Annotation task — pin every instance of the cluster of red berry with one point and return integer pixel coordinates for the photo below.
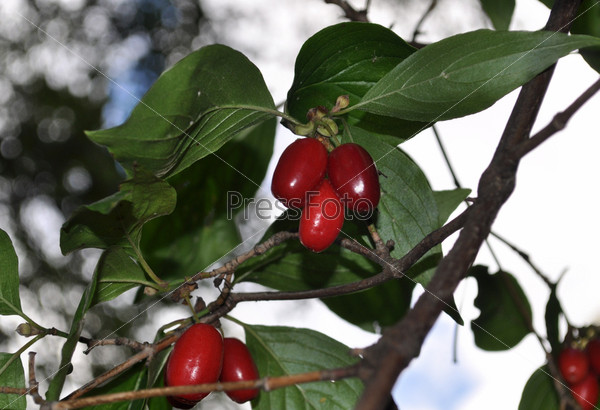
(202, 355)
(300, 181)
(581, 370)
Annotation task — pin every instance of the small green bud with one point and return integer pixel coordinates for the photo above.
(25, 329)
(342, 102)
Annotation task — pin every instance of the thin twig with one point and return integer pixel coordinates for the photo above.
(33, 384)
(559, 121)
(350, 12)
(417, 29)
(266, 384)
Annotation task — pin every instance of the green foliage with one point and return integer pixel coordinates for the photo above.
(10, 301)
(348, 59)
(588, 22)
(130, 380)
(282, 351)
(499, 11)
(539, 392)
(191, 111)
(501, 324)
(118, 219)
(465, 73)
(64, 368)
(13, 376)
(552, 316)
(200, 230)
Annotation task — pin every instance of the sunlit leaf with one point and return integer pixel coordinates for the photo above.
(193, 108)
(348, 59)
(466, 73)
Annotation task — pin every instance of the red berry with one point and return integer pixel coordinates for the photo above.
(593, 352)
(573, 365)
(196, 358)
(322, 218)
(300, 168)
(586, 392)
(238, 365)
(353, 175)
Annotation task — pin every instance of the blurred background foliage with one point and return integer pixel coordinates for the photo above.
(67, 66)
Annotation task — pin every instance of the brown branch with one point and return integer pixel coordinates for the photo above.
(402, 342)
(350, 12)
(33, 384)
(559, 121)
(119, 341)
(417, 29)
(266, 384)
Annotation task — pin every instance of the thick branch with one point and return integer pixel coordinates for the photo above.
(350, 12)
(402, 342)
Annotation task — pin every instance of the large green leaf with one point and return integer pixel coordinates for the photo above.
(201, 229)
(348, 59)
(500, 325)
(113, 219)
(500, 12)
(539, 392)
(283, 351)
(64, 368)
(10, 301)
(466, 73)
(191, 111)
(13, 376)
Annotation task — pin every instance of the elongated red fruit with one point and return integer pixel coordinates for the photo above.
(586, 392)
(238, 365)
(354, 177)
(300, 168)
(197, 357)
(322, 218)
(573, 365)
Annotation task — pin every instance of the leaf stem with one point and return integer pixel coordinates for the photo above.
(20, 351)
(145, 266)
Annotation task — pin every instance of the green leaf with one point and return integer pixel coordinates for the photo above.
(588, 22)
(13, 376)
(283, 351)
(10, 301)
(191, 111)
(348, 59)
(500, 326)
(500, 12)
(58, 379)
(130, 380)
(202, 229)
(407, 211)
(551, 316)
(466, 73)
(291, 267)
(448, 201)
(117, 273)
(111, 220)
(539, 392)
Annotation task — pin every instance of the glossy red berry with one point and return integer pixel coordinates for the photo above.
(593, 352)
(322, 218)
(197, 357)
(586, 392)
(238, 365)
(573, 365)
(301, 167)
(353, 175)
